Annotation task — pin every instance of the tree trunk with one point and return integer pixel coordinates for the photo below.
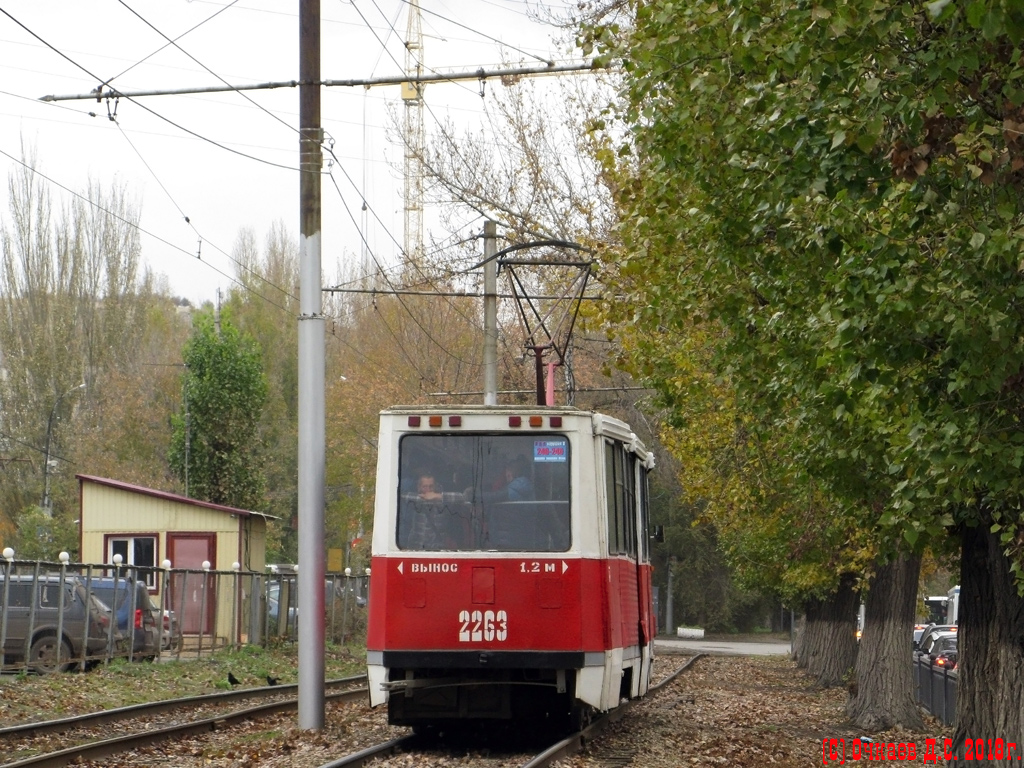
(799, 649)
(990, 687)
(882, 690)
(830, 639)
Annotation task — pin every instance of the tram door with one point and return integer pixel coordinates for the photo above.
(648, 627)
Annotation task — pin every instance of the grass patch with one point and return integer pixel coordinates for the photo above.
(121, 683)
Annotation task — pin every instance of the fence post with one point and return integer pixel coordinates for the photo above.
(86, 633)
(951, 700)
(8, 567)
(202, 607)
(344, 605)
(255, 595)
(62, 604)
(34, 592)
(236, 607)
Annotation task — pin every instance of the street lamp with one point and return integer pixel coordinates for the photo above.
(47, 509)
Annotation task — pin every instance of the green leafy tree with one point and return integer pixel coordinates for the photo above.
(836, 188)
(42, 537)
(265, 306)
(216, 447)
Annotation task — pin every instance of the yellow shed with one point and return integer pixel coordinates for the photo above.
(147, 527)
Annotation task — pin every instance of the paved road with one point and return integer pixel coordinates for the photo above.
(719, 647)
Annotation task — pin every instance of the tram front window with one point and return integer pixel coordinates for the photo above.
(478, 493)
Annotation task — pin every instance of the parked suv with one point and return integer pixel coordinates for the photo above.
(138, 618)
(34, 632)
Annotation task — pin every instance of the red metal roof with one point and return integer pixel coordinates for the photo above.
(170, 496)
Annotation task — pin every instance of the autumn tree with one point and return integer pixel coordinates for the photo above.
(836, 187)
(74, 307)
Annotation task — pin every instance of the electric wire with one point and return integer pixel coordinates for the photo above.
(173, 42)
(169, 41)
(135, 225)
(144, 107)
(404, 304)
(484, 35)
(417, 58)
(207, 69)
(112, 117)
(408, 261)
(188, 221)
(51, 454)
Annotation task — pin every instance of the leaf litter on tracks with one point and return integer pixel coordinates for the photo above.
(742, 712)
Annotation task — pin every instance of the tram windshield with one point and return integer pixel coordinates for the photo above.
(478, 493)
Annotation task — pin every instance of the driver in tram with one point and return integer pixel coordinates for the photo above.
(427, 488)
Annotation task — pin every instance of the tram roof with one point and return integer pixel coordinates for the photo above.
(603, 423)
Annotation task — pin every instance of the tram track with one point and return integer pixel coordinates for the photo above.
(184, 741)
(401, 749)
(37, 737)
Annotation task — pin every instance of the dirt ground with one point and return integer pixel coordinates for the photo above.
(747, 711)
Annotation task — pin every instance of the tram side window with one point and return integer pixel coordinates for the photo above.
(629, 491)
(620, 491)
(613, 500)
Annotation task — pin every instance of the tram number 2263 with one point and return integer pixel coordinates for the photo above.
(476, 626)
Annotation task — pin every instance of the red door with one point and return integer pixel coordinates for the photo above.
(193, 597)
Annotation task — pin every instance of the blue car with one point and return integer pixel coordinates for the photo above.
(140, 619)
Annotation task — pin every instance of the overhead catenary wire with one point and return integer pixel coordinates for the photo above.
(411, 314)
(397, 244)
(99, 95)
(169, 41)
(123, 134)
(475, 75)
(484, 35)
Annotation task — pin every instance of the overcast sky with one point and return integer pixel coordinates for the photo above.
(228, 161)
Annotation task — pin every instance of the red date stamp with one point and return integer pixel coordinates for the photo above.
(841, 751)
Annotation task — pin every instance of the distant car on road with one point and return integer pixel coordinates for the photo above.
(332, 591)
(939, 645)
(930, 630)
(918, 631)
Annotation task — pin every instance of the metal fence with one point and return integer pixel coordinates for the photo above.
(195, 611)
(936, 689)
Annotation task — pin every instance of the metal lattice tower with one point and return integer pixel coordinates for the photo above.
(412, 96)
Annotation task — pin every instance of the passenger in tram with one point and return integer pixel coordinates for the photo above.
(514, 484)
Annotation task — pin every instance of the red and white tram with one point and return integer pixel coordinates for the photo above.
(511, 574)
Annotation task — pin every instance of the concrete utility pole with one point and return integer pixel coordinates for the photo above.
(490, 314)
(312, 440)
